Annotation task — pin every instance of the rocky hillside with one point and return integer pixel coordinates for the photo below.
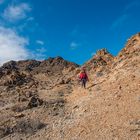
(42, 100)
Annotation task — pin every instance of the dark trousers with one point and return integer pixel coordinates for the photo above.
(84, 82)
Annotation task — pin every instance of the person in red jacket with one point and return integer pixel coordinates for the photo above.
(83, 78)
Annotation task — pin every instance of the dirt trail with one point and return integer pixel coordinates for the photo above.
(43, 101)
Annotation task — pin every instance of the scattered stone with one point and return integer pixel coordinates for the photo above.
(34, 102)
(120, 87)
(98, 108)
(75, 107)
(19, 115)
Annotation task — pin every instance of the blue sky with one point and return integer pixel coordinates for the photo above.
(73, 29)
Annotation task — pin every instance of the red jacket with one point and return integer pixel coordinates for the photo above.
(83, 76)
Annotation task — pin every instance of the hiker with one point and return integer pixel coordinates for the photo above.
(83, 78)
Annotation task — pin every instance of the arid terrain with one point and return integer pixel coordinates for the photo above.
(43, 100)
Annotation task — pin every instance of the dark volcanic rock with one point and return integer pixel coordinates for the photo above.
(8, 67)
(11, 65)
(1, 72)
(34, 102)
(17, 79)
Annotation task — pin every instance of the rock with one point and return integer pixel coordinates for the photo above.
(1, 72)
(120, 87)
(18, 79)
(34, 102)
(48, 91)
(132, 47)
(75, 107)
(32, 64)
(19, 115)
(11, 66)
(102, 58)
(62, 82)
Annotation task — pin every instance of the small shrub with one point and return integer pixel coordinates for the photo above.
(28, 126)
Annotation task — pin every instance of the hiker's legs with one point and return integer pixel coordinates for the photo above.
(84, 83)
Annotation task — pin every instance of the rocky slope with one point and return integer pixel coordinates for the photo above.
(44, 101)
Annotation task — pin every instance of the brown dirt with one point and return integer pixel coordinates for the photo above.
(109, 109)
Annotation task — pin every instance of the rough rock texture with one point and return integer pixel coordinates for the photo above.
(42, 100)
(132, 47)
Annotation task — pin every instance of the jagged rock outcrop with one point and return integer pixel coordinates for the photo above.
(132, 47)
(24, 72)
(42, 100)
(101, 59)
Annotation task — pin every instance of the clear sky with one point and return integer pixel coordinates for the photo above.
(73, 29)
